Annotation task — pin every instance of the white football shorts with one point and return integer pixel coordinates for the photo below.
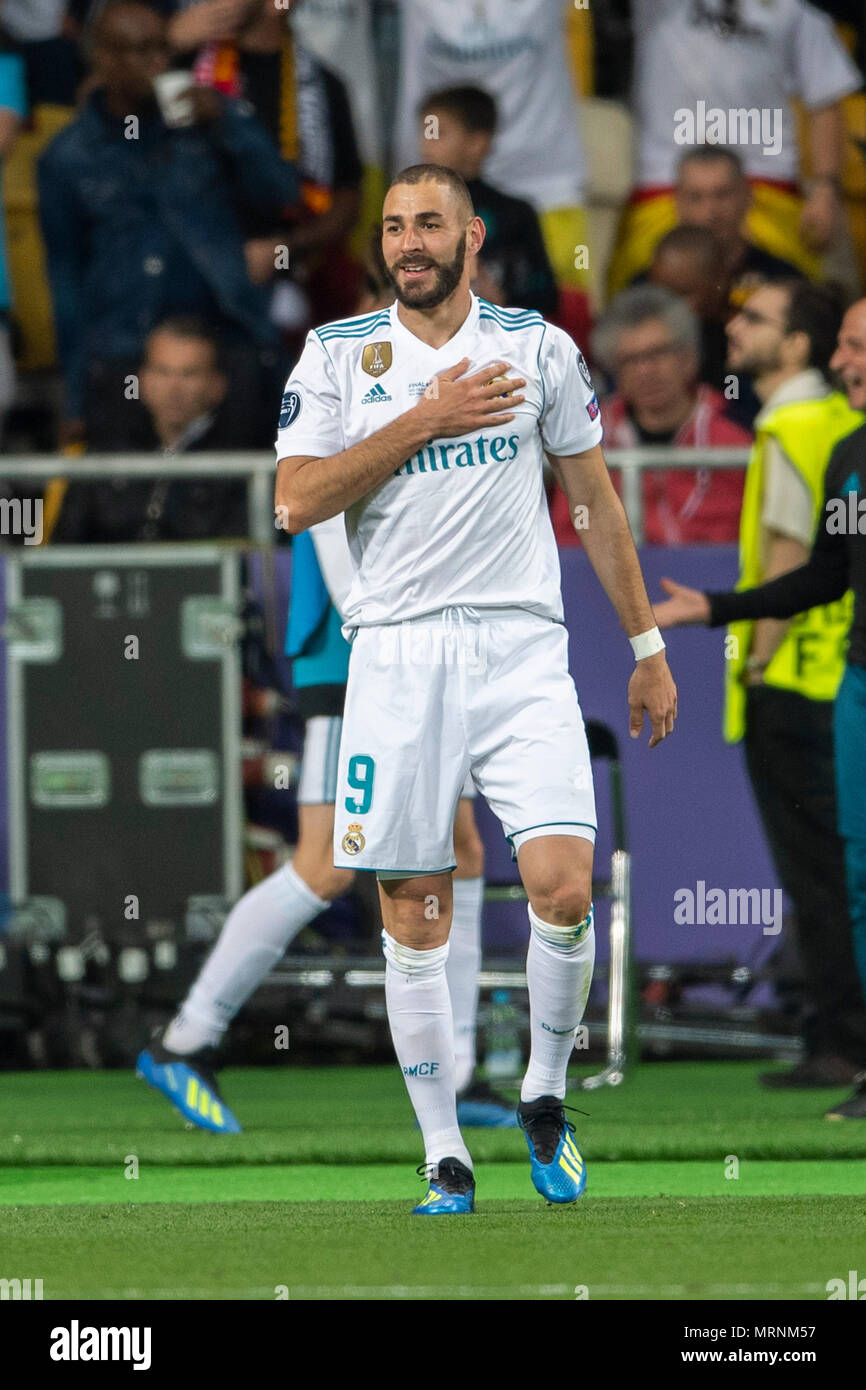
(317, 785)
(463, 692)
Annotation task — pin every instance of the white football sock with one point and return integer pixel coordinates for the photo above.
(254, 937)
(461, 969)
(559, 973)
(419, 1013)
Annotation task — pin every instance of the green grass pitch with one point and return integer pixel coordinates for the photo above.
(313, 1200)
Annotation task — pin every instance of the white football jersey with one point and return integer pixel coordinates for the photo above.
(464, 520)
(684, 56)
(335, 561)
(516, 51)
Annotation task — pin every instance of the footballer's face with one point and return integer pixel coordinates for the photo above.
(757, 333)
(426, 234)
(849, 359)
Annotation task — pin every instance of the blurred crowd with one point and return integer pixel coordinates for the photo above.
(190, 185)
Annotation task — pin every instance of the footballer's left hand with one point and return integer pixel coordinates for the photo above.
(652, 688)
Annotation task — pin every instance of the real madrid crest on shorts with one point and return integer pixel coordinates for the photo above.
(376, 358)
(353, 840)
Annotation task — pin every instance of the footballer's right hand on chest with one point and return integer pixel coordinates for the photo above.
(456, 403)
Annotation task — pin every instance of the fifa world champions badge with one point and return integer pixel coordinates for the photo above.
(376, 358)
(353, 840)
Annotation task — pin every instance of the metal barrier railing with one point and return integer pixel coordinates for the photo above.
(258, 468)
(633, 462)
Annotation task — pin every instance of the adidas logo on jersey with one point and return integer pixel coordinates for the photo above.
(376, 393)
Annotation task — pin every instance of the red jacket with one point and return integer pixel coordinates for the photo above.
(682, 506)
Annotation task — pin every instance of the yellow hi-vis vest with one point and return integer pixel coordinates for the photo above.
(811, 657)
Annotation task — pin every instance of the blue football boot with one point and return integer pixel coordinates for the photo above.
(480, 1107)
(189, 1083)
(558, 1169)
(450, 1191)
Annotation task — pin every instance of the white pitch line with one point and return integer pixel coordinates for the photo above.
(461, 1291)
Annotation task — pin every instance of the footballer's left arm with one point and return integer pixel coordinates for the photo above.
(607, 540)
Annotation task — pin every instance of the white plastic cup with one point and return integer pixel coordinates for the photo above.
(172, 91)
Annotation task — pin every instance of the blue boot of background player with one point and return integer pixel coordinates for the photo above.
(187, 1081)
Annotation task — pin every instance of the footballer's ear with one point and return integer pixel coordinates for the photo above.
(475, 235)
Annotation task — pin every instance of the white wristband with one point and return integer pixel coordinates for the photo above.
(647, 643)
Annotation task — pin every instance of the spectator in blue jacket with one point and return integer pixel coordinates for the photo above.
(142, 219)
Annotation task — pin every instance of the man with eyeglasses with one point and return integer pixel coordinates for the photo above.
(782, 675)
(649, 340)
(142, 219)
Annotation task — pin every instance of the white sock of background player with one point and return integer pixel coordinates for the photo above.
(256, 935)
(559, 973)
(253, 939)
(461, 969)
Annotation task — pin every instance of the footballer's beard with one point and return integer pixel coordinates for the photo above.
(447, 278)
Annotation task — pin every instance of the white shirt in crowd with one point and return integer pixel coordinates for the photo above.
(787, 49)
(30, 21)
(335, 559)
(516, 51)
(339, 33)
